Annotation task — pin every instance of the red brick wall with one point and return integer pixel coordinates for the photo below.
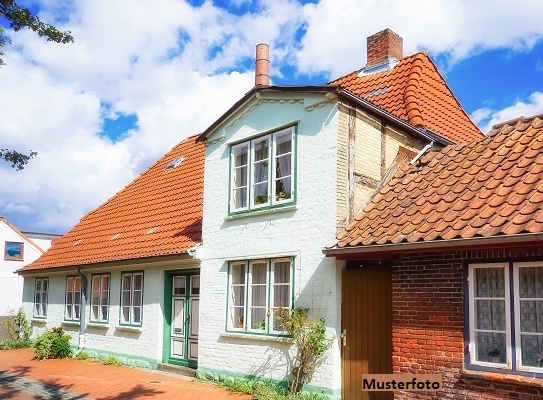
(383, 46)
(428, 324)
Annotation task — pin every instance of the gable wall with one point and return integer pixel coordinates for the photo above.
(300, 232)
(366, 149)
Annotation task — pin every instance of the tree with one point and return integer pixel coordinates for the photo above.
(18, 18)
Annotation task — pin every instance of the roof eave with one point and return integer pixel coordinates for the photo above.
(405, 247)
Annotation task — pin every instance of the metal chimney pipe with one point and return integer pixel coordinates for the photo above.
(262, 70)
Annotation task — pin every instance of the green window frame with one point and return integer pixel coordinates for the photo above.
(257, 289)
(99, 304)
(131, 310)
(262, 172)
(72, 308)
(41, 291)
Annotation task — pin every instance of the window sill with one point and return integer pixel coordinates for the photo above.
(504, 378)
(39, 320)
(70, 323)
(257, 212)
(263, 338)
(98, 325)
(127, 328)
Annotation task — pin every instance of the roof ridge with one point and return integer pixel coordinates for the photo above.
(411, 90)
(514, 121)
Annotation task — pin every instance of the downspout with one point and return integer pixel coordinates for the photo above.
(82, 320)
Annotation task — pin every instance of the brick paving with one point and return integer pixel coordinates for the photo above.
(23, 378)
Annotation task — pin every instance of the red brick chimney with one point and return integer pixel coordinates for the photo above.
(262, 70)
(383, 47)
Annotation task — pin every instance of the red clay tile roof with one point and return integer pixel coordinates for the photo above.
(486, 188)
(159, 213)
(415, 91)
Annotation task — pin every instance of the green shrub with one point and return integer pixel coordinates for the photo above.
(9, 344)
(54, 343)
(239, 386)
(274, 391)
(111, 361)
(17, 326)
(83, 356)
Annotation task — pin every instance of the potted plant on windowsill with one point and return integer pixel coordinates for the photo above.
(240, 321)
(494, 355)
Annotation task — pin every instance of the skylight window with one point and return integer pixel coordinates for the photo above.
(115, 236)
(152, 230)
(175, 163)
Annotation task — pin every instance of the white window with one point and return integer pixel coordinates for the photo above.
(73, 298)
(262, 172)
(40, 297)
(100, 298)
(506, 316)
(131, 298)
(257, 290)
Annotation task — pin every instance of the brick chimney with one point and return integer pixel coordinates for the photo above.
(384, 47)
(262, 70)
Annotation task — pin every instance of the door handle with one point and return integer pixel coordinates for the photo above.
(344, 337)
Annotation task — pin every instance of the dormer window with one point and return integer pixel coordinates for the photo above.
(262, 172)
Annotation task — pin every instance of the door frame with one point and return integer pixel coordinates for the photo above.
(167, 316)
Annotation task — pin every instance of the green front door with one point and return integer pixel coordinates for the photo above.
(181, 317)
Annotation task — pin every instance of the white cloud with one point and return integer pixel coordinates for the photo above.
(488, 118)
(172, 66)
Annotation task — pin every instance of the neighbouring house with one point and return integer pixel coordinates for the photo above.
(238, 216)
(19, 248)
(453, 246)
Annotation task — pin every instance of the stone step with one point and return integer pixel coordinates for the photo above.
(177, 369)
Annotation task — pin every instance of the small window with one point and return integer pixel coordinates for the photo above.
(131, 298)
(73, 298)
(262, 172)
(41, 290)
(14, 251)
(258, 290)
(175, 163)
(100, 298)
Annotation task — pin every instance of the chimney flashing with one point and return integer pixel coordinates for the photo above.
(384, 66)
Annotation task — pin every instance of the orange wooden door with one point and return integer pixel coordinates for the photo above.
(367, 326)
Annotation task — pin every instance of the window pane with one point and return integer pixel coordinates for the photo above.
(236, 317)
(283, 143)
(69, 298)
(259, 271)
(77, 282)
(44, 308)
(38, 285)
(240, 177)
(238, 274)
(261, 147)
(70, 284)
(38, 298)
(126, 314)
(136, 315)
(258, 318)
(195, 285)
(281, 294)
(138, 280)
(69, 311)
(240, 155)
(240, 198)
(76, 311)
(260, 193)
(95, 312)
(531, 282)
(238, 296)
(137, 298)
(45, 285)
(104, 312)
(489, 282)
(126, 299)
(127, 280)
(258, 296)
(532, 350)
(486, 342)
(179, 285)
(281, 272)
(490, 314)
(531, 316)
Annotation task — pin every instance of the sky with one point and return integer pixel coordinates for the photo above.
(142, 76)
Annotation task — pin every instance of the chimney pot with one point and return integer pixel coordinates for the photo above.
(262, 70)
(384, 46)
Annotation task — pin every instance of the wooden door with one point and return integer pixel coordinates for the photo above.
(367, 327)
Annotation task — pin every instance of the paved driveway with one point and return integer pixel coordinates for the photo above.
(23, 378)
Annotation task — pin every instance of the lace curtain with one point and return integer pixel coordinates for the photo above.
(531, 315)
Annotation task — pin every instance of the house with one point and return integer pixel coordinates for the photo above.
(19, 248)
(458, 237)
(238, 217)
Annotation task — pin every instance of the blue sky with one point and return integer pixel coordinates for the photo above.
(141, 78)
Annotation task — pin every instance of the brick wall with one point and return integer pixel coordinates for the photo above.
(383, 46)
(428, 327)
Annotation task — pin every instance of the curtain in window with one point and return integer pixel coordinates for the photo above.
(281, 289)
(531, 315)
(237, 295)
(259, 273)
(490, 325)
(283, 182)
(260, 172)
(105, 297)
(240, 176)
(125, 299)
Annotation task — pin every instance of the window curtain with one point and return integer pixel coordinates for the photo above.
(260, 194)
(284, 166)
(531, 315)
(258, 295)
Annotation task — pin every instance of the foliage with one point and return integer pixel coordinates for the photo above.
(9, 344)
(53, 343)
(111, 361)
(238, 385)
(83, 356)
(17, 160)
(311, 343)
(20, 17)
(17, 326)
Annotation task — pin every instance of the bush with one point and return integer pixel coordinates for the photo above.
(9, 344)
(54, 343)
(83, 356)
(17, 326)
(239, 386)
(111, 361)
